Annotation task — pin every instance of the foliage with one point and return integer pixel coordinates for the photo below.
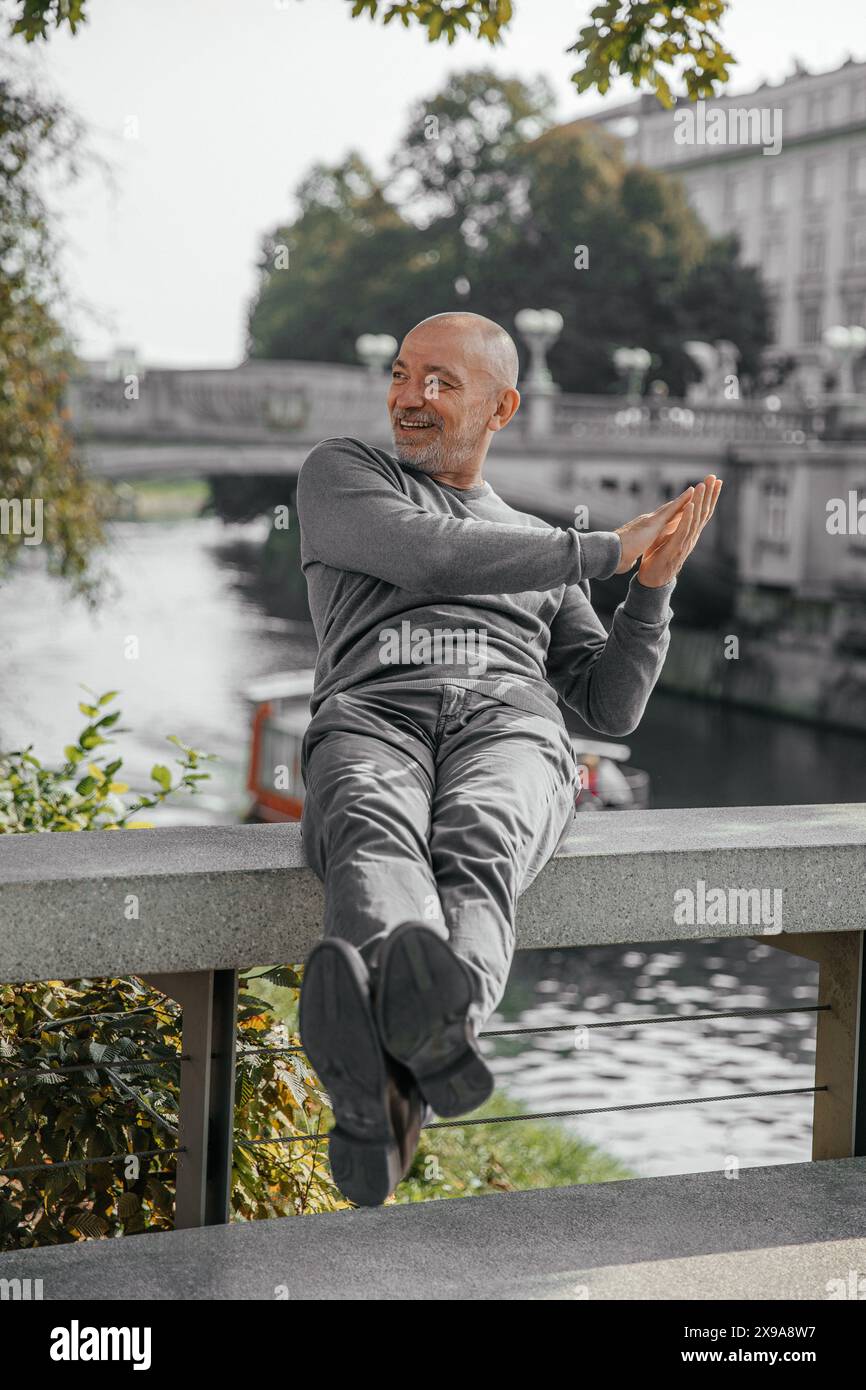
(118, 1107)
(457, 160)
(112, 1104)
(34, 18)
(472, 1160)
(627, 38)
(494, 203)
(39, 469)
(36, 798)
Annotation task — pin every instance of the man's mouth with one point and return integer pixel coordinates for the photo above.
(417, 422)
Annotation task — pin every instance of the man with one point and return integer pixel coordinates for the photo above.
(438, 771)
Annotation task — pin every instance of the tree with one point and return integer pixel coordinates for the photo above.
(469, 229)
(628, 38)
(46, 498)
(349, 263)
(456, 162)
(724, 299)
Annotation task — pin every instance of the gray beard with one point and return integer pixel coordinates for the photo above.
(430, 459)
(439, 457)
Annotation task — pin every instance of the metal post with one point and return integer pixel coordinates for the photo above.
(839, 1124)
(207, 1093)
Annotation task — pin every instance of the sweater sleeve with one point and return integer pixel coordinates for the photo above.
(354, 516)
(608, 677)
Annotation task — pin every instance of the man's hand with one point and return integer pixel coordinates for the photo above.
(665, 558)
(637, 536)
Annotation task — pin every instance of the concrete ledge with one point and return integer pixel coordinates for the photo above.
(782, 1232)
(225, 896)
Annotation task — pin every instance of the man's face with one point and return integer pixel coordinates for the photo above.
(441, 398)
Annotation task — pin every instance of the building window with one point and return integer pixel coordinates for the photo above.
(733, 197)
(700, 199)
(854, 308)
(774, 189)
(772, 256)
(857, 173)
(810, 322)
(857, 243)
(775, 521)
(820, 110)
(813, 251)
(815, 181)
(858, 99)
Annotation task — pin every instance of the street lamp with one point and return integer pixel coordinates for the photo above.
(539, 329)
(633, 364)
(845, 345)
(376, 350)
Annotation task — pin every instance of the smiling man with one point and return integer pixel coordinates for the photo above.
(435, 790)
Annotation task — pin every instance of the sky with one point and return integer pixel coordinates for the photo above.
(210, 111)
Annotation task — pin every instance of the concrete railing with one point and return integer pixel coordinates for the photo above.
(211, 901)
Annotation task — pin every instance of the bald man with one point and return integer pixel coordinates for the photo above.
(439, 774)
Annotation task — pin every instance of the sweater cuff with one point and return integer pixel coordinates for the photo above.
(600, 553)
(649, 605)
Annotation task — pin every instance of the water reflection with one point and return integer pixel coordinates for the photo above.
(667, 1061)
(185, 593)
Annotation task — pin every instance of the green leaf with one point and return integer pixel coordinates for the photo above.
(161, 775)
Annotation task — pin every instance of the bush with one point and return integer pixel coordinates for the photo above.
(122, 1036)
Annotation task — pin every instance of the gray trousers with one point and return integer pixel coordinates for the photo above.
(437, 806)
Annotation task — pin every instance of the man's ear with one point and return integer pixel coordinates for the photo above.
(506, 408)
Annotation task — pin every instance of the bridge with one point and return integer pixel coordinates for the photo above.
(266, 414)
(614, 455)
(217, 899)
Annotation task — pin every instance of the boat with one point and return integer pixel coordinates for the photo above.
(280, 712)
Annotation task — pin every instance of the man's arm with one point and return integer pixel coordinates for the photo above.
(608, 677)
(354, 517)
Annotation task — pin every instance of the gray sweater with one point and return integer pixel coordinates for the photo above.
(410, 580)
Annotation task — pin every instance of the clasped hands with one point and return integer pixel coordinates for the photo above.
(664, 539)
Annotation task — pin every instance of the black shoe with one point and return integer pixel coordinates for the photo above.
(422, 1002)
(378, 1110)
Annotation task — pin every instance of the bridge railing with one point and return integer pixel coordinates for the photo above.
(272, 401)
(262, 402)
(214, 900)
(579, 417)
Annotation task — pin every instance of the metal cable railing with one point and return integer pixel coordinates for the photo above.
(14, 1071)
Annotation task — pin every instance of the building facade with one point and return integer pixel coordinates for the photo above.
(799, 209)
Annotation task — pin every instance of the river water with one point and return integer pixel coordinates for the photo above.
(186, 592)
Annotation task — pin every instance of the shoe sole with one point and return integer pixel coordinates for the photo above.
(340, 1039)
(424, 993)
